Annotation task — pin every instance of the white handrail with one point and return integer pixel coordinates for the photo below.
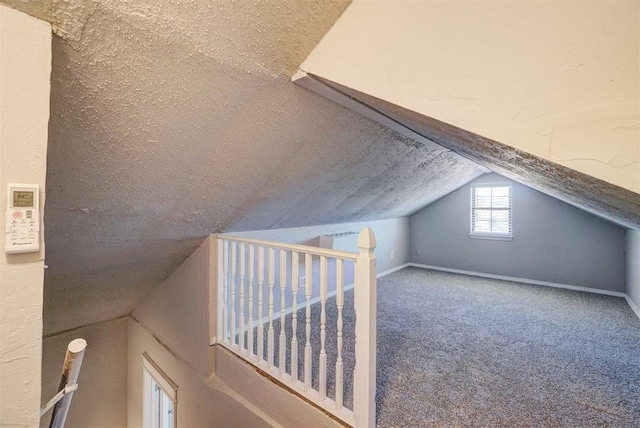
(283, 276)
(316, 251)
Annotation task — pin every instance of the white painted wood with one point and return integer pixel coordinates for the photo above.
(522, 280)
(308, 266)
(251, 285)
(270, 280)
(225, 285)
(315, 251)
(330, 294)
(241, 274)
(340, 304)
(633, 306)
(322, 369)
(364, 388)
(282, 345)
(295, 279)
(327, 404)
(260, 335)
(241, 331)
(390, 271)
(234, 285)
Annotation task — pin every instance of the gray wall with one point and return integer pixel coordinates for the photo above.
(633, 266)
(552, 241)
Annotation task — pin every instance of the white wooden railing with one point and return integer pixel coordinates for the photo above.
(259, 300)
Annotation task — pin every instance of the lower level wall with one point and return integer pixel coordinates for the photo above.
(633, 268)
(199, 403)
(101, 399)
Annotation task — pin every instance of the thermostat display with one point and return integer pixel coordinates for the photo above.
(22, 220)
(23, 199)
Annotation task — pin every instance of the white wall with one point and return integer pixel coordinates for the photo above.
(101, 399)
(556, 79)
(552, 241)
(25, 66)
(633, 268)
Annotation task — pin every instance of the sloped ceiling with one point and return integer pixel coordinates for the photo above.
(603, 199)
(556, 80)
(174, 120)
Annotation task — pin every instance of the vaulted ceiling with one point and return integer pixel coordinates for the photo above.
(174, 120)
(171, 121)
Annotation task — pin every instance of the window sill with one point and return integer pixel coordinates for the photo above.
(491, 237)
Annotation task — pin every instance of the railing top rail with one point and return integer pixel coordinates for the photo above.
(307, 249)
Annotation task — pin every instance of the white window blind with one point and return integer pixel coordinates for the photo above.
(491, 210)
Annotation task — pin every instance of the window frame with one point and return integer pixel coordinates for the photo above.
(152, 373)
(497, 236)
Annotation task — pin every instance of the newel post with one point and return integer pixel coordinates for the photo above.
(364, 390)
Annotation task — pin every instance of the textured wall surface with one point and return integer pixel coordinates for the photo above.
(177, 312)
(174, 120)
(552, 241)
(597, 196)
(25, 64)
(558, 80)
(633, 267)
(101, 399)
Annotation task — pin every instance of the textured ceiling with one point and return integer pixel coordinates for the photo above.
(606, 200)
(174, 120)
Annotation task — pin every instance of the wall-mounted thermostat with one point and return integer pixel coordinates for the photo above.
(22, 225)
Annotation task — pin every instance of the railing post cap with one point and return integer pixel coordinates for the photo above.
(366, 239)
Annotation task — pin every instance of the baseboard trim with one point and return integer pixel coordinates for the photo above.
(633, 306)
(523, 280)
(392, 270)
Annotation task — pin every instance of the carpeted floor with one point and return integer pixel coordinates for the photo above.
(461, 351)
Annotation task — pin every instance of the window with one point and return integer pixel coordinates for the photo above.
(491, 211)
(160, 396)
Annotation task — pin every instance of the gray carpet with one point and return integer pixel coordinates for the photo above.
(456, 350)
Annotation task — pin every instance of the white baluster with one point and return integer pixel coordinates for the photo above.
(339, 304)
(282, 345)
(241, 340)
(307, 347)
(270, 279)
(234, 285)
(295, 279)
(225, 287)
(364, 378)
(250, 321)
(322, 380)
(260, 335)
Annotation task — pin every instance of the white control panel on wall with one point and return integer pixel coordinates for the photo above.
(22, 223)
